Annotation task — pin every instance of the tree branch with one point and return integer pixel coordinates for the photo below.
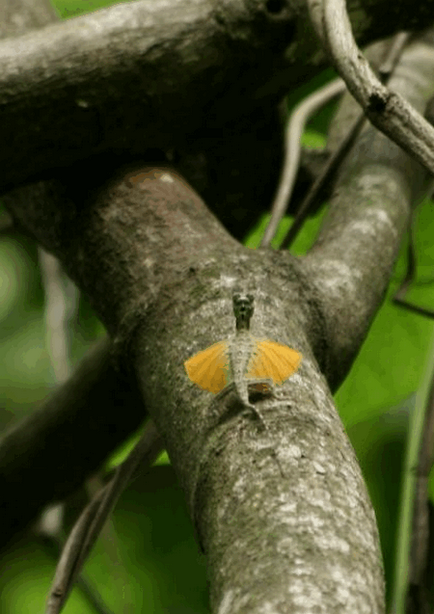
(386, 109)
(136, 76)
(87, 411)
(97, 389)
(160, 271)
(154, 260)
(353, 256)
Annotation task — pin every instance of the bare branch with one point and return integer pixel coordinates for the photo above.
(325, 177)
(137, 77)
(355, 251)
(89, 408)
(294, 131)
(386, 109)
(92, 519)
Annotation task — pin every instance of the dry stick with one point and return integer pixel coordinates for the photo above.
(93, 517)
(388, 65)
(294, 131)
(326, 175)
(387, 110)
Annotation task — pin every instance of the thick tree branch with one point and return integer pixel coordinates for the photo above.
(160, 271)
(96, 386)
(131, 78)
(137, 76)
(155, 261)
(220, 168)
(352, 259)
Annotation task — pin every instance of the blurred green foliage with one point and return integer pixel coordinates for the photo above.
(147, 559)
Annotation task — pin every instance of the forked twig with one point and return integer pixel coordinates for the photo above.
(386, 69)
(93, 517)
(386, 109)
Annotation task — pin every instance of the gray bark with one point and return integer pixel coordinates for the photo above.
(149, 74)
(160, 270)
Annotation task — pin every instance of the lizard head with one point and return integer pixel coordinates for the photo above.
(243, 310)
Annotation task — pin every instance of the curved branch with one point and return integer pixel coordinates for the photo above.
(355, 251)
(294, 131)
(137, 77)
(386, 109)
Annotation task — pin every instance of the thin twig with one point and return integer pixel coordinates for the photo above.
(294, 131)
(61, 301)
(88, 526)
(387, 110)
(319, 184)
(387, 67)
(53, 545)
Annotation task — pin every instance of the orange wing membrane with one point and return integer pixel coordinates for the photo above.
(257, 359)
(272, 360)
(209, 369)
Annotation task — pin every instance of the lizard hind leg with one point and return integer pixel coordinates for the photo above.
(255, 391)
(258, 389)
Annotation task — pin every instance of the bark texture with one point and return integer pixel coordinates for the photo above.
(139, 76)
(160, 270)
